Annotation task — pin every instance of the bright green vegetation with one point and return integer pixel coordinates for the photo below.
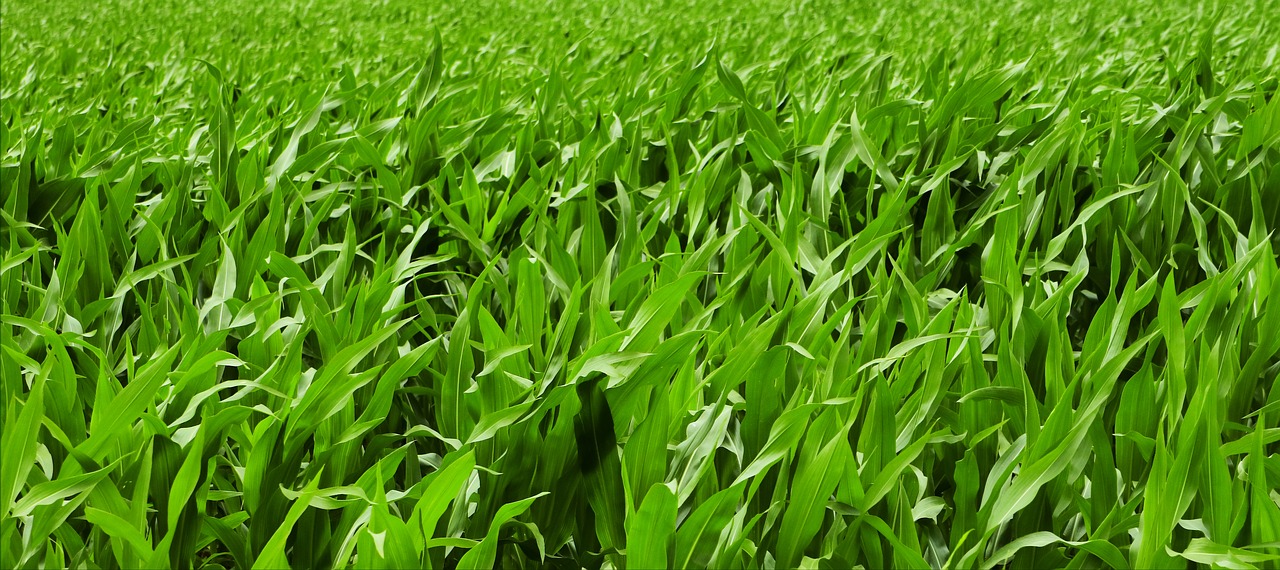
(672, 284)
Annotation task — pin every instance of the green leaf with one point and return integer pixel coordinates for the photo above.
(650, 531)
(483, 555)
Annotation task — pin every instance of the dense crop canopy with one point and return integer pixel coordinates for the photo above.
(661, 284)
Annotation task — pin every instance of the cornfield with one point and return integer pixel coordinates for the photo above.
(940, 284)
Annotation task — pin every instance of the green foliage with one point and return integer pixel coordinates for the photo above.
(674, 284)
